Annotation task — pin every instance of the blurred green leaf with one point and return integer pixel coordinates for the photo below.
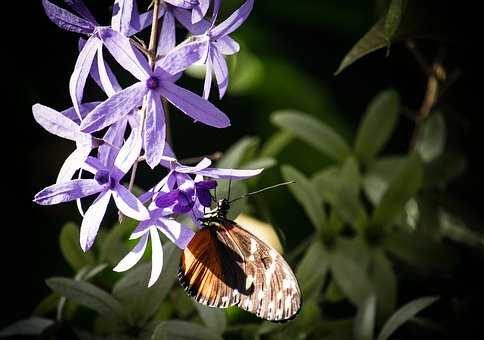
(71, 249)
(214, 318)
(384, 281)
(403, 186)
(32, 326)
(305, 194)
(47, 305)
(276, 143)
(246, 73)
(404, 314)
(182, 330)
(341, 189)
(89, 296)
(132, 289)
(112, 248)
(456, 229)
(377, 125)
(313, 132)
(379, 173)
(431, 139)
(351, 278)
(94, 271)
(311, 270)
(334, 293)
(421, 251)
(393, 19)
(365, 319)
(238, 153)
(184, 303)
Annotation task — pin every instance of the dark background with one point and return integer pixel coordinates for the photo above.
(299, 43)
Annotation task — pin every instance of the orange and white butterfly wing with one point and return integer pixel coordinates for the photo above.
(275, 293)
(211, 271)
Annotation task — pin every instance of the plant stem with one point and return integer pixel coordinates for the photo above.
(152, 60)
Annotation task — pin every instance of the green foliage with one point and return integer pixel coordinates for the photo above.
(174, 330)
(69, 245)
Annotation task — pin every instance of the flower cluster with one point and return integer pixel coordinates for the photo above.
(129, 126)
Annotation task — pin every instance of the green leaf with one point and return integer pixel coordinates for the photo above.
(312, 269)
(431, 139)
(214, 318)
(93, 272)
(276, 143)
(47, 305)
(378, 175)
(365, 319)
(313, 132)
(112, 248)
(404, 314)
(393, 19)
(32, 326)
(351, 278)
(372, 41)
(89, 296)
(341, 189)
(305, 194)
(247, 73)
(71, 249)
(239, 153)
(182, 330)
(403, 186)
(377, 125)
(133, 292)
(384, 281)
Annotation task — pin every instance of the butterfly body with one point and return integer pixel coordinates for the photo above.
(225, 265)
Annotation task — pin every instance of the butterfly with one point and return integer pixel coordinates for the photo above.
(225, 265)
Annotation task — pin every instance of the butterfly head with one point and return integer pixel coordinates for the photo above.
(223, 207)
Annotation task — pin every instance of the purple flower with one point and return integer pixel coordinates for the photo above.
(153, 84)
(218, 41)
(61, 125)
(176, 232)
(179, 193)
(106, 183)
(87, 24)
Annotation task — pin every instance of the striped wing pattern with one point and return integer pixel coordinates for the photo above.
(225, 265)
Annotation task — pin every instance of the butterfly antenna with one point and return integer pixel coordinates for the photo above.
(230, 185)
(261, 190)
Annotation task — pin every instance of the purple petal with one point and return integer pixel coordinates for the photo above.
(66, 20)
(226, 45)
(114, 138)
(122, 14)
(124, 53)
(141, 21)
(93, 165)
(55, 122)
(114, 108)
(194, 106)
(229, 173)
(129, 204)
(155, 130)
(207, 86)
(176, 232)
(220, 70)
(203, 164)
(73, 163)
(92, 220)
(83, 108)
(185, 18)
(80, 7)
(166, 200)
(188, 4)
(167, 40)
(206, 185)
(104, 76)
(130, 151)
(234, 21)
(199, 11)
(156, 256)
(82, 69)
(183, 57)
(67, 191)
(133, 257)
